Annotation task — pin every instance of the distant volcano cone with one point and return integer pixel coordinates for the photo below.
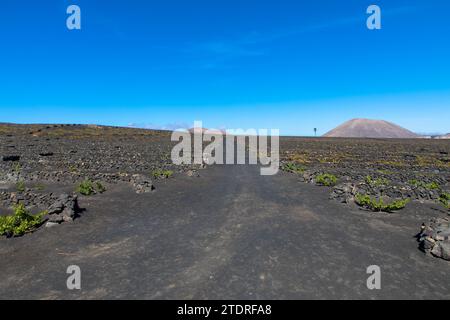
(366, 128)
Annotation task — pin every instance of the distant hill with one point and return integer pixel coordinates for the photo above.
(366, 128)
(206, 130)
(445, 136)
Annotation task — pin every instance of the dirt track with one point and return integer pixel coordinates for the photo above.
(230, 233)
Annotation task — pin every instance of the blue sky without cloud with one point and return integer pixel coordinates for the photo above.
(292, 65)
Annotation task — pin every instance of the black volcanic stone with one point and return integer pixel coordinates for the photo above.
(11, 158)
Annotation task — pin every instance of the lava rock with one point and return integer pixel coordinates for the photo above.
(428, 243)
(434, 238)
(11, 158)
(50, 224)
(342, 192)
(192, 173)
(65, 208)
(441, 250)
(141, 183)
(55, 218)
(46, 154)
(445, 250)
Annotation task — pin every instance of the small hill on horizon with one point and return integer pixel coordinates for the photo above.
(444, 136)
(367, 128)
(206, 130)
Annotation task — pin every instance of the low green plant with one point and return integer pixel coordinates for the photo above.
(444, 198)
(432, 186)
(20, 222)
(378, 182)
(88, 188)
(73, 169)
(100, 187)
(20, 186)
(326, 179)
(293, 167)
(162, 174)
(378, 205)
(429, 186)
(17, 167)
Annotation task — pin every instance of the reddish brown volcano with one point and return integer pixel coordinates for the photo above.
(366, 128)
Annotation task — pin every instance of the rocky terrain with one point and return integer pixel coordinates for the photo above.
(41, 163)
(434, 237)
(374, 174)
(110, 200)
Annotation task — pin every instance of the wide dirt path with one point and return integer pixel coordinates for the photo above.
(229, 234)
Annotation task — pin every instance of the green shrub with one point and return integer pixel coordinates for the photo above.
(162, 174)
(100, 187)
(377, 182)
(429, 186)
(293, 167)
(20, 186)
(379, 205)
(73, 169)
(88, 188)
(326, 179)
(17, 167)
(432, 186)
(444, 198)
(20, 222)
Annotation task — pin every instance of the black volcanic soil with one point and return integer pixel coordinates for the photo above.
(227, 233)
(407, 168)
(397, 159)
(55, 158)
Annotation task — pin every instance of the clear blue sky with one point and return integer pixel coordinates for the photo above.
(292, 65)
